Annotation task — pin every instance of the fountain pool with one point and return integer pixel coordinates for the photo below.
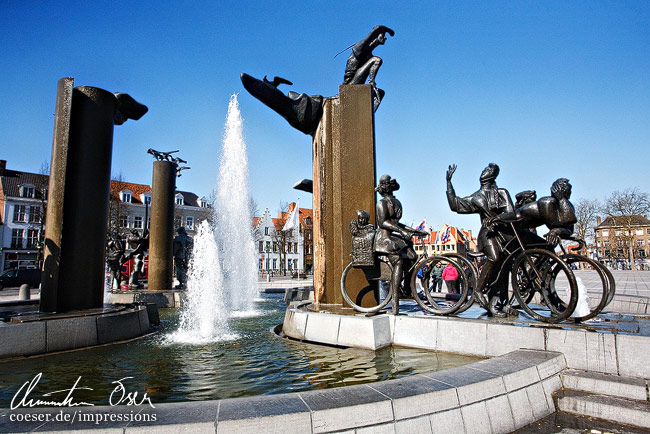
(256, 363)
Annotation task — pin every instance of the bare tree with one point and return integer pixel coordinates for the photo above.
(116, 209)
(41, 188)
(281, 238)
(626, 208)
(586, 212)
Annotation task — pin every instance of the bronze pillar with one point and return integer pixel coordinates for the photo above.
(344, 181)
(77, 209)
(161, 236)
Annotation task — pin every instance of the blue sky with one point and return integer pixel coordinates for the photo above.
(546, 89)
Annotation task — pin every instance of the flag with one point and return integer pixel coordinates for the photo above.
(292, 220)
(446, 237)
(421, 226)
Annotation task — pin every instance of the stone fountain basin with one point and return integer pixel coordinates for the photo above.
(32, 333)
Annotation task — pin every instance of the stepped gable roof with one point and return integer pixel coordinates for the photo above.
(256, 221)
(611, 222)
(304, 213)
(12, 180)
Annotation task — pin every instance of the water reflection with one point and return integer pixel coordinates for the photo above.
(258, 363)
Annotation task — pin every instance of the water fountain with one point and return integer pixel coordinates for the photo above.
(223, 279)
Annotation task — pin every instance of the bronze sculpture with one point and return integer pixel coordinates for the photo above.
(115, 258)
(554, 211)
(362, 65)
(183, 244)
(393, 238)
(303, 112)
(489, 202)
(140, 243)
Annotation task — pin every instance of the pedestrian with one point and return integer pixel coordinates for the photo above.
(436, 275)
(449, 275)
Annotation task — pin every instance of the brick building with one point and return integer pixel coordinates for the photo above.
(612, 240)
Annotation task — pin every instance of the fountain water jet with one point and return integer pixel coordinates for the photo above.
(222, 279)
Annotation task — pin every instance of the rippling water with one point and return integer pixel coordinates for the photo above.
(257, 363)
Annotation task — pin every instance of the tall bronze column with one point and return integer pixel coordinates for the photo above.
(344, 181)
(85, 203)
(161, 236)
(79, 186)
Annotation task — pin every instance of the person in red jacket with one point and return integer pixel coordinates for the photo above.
(450, 275)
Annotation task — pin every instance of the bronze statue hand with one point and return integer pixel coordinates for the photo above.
(450, 172)
(552, 238)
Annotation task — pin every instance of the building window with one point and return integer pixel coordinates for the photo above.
(275, 264)
(608, 253)
(125, 196)
(179, 199)
(620, 252)
(19, 213)
(261, 264)
(266, 230)
(295, 264)
(640, 243)
(17, 238)
(124, 222)
(648, 231)
(641, 253)
(288, 247)
(308, 221)
(275, 248)
(268, 246)
(639, 231)
(618, 233)
(605, 233)
(189, 223)
(32, 238)
(137, 222)
(268, 261)
(261, 246)
(605, 243)
(295, 247)
(27, 191)
(34, 214)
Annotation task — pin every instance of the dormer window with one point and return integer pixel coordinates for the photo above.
(145, 198)
(308, 221)
(27, 191)
(125, 196)
(203, 202)
(179, 199)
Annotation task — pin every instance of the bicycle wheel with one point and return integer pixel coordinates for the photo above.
(371, 295)
(549, 280)
(452, 296)
(472, 279)
(612, 282)
(593, 286)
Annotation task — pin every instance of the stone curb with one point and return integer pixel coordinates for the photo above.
(52, 335)
(491, 396)
(620, 354)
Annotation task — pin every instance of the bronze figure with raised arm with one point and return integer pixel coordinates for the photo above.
(489, 201)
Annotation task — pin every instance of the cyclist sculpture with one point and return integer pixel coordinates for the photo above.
(489, 202)
(393, 238)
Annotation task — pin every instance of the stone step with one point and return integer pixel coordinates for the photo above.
(624, 411)
(605, 384)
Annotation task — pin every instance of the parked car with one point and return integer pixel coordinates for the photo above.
(16, 277)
